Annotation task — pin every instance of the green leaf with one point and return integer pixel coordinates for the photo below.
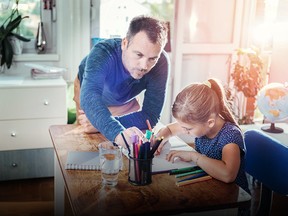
(2, 34)
(6, 49)
(8, 52)
(20, 37)
(13, 24)
(2, 57)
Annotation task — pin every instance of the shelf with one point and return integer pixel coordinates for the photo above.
(36, 57)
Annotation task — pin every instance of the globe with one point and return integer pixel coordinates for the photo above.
(272, 101)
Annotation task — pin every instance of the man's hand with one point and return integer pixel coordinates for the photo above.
(85, 123)
(128, 133)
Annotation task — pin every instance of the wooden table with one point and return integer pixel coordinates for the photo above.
(88, 196)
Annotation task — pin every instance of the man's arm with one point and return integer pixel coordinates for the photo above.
(97, 68)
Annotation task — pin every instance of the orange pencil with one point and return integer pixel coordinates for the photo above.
(149, 125)
(204, 178)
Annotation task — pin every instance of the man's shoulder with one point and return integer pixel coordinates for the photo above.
(106, 48)
(165, 56)
(111, 42)
(163, 61)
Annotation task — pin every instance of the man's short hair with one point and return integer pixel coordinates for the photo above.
(155, 29)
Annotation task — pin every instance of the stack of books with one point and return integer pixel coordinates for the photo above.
(45, 72)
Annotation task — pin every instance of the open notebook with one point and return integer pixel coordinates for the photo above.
(160, 164)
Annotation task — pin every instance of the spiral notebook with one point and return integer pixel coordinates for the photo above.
(81, 160)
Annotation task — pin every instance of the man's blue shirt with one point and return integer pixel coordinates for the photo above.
(105, 82)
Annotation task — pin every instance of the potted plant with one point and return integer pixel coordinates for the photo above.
(7, 30)
(247, 71)
(247, 78)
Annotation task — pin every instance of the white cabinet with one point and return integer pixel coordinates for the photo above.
(27, 109)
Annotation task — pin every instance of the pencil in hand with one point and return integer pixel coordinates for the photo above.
(126, 143)
(155, 146)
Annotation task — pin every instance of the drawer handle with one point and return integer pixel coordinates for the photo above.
(14, 164)
(13, 134)
(46, 102)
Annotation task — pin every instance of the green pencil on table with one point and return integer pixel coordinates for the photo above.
(189, 173)
(184, 170)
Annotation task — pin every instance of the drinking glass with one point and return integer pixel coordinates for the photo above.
(110, 162)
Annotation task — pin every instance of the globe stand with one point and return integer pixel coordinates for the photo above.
(272, 129)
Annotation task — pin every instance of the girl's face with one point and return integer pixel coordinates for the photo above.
(194, 128)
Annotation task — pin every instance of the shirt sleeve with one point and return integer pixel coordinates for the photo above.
(97, 65)
(233, 134)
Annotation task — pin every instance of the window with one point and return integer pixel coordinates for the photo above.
(115, 15)
(38, 11)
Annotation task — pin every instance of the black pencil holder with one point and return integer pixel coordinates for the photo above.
(140, 171)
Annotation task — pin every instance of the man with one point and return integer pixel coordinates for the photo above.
(115, 72)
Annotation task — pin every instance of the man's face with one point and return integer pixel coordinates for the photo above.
(140, 55)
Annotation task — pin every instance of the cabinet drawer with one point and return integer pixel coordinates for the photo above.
(24, 164)
(27, 134)
(23, 103)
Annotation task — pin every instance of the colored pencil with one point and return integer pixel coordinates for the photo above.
(189, 173)
(198, 175)
(184, 170)
(192, 181)
(149, 125)
(155, 146)
(126, 143)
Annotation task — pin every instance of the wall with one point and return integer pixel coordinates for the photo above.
(279, 63)
(73, 34)
(202, 44)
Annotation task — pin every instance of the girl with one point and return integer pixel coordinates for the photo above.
(202, 110)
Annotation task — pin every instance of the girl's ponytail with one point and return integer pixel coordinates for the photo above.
(225, 111)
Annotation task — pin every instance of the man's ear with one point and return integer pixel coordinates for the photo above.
(211, 122)
(124, 43)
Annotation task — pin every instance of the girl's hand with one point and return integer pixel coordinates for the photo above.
(164, 132)
(183, 155)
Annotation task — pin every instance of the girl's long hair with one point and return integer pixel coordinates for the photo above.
(197, 101)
